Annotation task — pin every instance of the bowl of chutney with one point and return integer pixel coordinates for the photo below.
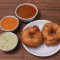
(26, 12)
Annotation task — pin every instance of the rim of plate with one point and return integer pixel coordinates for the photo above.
(26, 48)
(38, 54)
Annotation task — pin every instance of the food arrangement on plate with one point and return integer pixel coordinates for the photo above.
(36, 36)
(32, 37)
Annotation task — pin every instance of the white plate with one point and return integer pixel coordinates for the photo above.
(42, 50)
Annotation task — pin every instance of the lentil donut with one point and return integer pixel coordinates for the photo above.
(31, 36)
(51, 33)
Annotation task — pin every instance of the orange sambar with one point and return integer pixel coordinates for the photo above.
(9, 23)
(26, 11)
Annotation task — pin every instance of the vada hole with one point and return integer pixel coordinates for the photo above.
(46, 25)
(45, 38)
(31, 35)
(53, 33)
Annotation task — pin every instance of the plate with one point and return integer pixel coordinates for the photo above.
(42, 50)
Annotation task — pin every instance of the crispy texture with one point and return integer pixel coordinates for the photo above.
(34, 40)
(49, 37)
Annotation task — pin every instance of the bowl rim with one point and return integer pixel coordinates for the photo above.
(11, 29)
(14, 46)
(26, 4)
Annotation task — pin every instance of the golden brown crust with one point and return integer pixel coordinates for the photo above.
(49, 38)
(31, 41)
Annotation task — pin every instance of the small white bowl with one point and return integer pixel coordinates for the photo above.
(7, 50)
(12, 29)
(28, 19)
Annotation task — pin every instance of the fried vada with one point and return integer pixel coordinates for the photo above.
(31, 36)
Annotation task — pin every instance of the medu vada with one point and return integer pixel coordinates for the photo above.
(51, 33)
(31, 36)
